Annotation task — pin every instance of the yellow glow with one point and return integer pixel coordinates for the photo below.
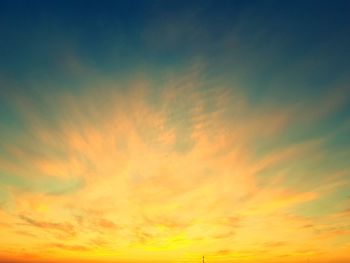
(130, 181)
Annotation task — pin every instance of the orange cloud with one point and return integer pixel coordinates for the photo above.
(62, 227)
(175, 172)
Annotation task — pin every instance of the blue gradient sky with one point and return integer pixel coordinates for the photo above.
(123, 123)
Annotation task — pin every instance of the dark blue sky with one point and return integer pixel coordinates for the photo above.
(113, 35)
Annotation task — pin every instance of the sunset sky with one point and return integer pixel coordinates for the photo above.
(164, 131)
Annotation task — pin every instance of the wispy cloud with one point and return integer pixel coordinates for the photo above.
(186, 167)
(66, 228)
(69, 247)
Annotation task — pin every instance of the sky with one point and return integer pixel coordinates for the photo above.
(164, 131)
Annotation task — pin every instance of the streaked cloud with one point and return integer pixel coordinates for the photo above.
(118, 167)
(66, 228)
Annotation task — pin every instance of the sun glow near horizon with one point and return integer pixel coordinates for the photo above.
(118, 177)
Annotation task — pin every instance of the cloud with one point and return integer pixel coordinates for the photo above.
(272, 200)
(65, 187)
(223, 252)
(25, 233)
(187, 166)
(107, 224)
(224, 235)
(331, 232)
(170, 222)
(274, 244)
(65, 228)
(142, 236)
(68, 247)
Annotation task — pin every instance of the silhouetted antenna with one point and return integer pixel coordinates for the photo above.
(203, 260)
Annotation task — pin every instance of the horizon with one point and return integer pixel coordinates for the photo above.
(165, 131)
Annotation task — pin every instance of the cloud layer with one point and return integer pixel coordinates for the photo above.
(176, 170)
